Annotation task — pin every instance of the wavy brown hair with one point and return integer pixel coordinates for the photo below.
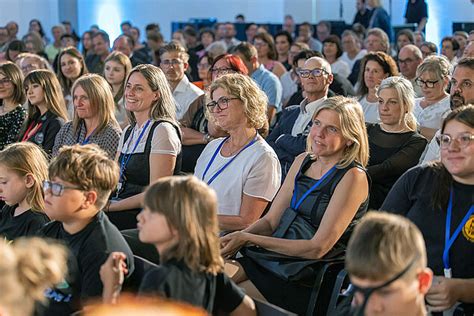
(387, 63)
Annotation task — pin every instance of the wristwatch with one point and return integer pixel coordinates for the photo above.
(207, 138)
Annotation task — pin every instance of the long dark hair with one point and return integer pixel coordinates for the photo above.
(464, 115)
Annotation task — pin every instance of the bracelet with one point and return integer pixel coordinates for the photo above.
(107, 206)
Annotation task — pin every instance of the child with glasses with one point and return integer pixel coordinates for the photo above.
(439, 198)
(81, 179)
(23, 167)
(386, 262)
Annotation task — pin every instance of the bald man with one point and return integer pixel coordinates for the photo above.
(409, 58)
(288, 137)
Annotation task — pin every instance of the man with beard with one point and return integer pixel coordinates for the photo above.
(462, 93)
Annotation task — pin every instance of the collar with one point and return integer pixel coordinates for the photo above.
(311, 106)
(182, 86)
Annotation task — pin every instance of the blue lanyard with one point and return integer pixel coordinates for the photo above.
(126, 157)
(228, 163)
(449, 240)
(295, 204)
(85, 141)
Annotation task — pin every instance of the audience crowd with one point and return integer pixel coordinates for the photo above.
(221, 173)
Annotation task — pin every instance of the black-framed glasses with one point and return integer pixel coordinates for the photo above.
(222, 71)
(316, 72)
(428, 83)
(463, 140)
(57, 189)
(5, 81)
(222, 104)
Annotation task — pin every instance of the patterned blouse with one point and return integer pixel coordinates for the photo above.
(10, 126)
(107, 139)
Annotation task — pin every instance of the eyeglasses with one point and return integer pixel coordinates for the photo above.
(57, 189)
(173, 62)
(5, 81)
(305, 73)
(222, 104)
(463, 140)
(222, 71)
(428, 83)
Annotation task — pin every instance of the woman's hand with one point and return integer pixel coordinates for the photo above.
(231, 243)
(112, 275)
(442, 294)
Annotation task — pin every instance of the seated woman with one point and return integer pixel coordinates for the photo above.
(12, 96)
(310, 221)
(375, 67)
(203, 65)
(94, 120)
(150, 148)
(267, 54)
(433, 76)
(438, 198)
(29, 62)
(283, 42)
(116, 69)
(46, 109)
(332, 51)
(179, 219)
(242, 168)
(196, 128)
(71, 66)
(395, 145)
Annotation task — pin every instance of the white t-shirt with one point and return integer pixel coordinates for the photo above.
(289, 86)
(255, 172)
(165, 140)
(371, 110)
(341, 68)
(351, 62)
(432, 116)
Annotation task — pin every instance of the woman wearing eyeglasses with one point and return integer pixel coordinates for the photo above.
(376, 66)
(12, 96)
(439, 198)
(196, 128)
(433, 77)
(242, 168)
(395, 145)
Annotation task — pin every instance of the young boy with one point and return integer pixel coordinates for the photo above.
(386, 262)
(81, 179)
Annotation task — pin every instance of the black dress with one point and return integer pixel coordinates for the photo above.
(287, 281)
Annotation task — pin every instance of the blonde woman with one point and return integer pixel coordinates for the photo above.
(46, 109)
(116, 69)
(395, 145)
(242, 168)
(324, 194)
(94, 119)
(150, 148)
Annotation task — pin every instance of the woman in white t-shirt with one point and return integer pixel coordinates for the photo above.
(150, 148)
(432, 76)
(375, 67)
(242, 168)
(332, 51)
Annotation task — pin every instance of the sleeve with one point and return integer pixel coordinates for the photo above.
(272, 88)
(264, 178)
(398, 200)
(53, 129)
(59, 140)
(294, 145)
(109, 141)
(228, 295)
(90, 263)
(405, 158)
(165, 140)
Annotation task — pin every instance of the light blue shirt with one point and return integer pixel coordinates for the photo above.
(270, 84)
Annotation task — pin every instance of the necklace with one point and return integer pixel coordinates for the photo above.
(402, 130)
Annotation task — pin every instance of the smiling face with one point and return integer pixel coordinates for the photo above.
(330, 50)
(70, 67)
(114, 72)
(154, 229)
(233, 115)
(326, 136)
(373, 74)
(458, 161)
(6, 87)
(314, 84)
(139, 97)
(389, 107)
(13, 189)
(35, 94)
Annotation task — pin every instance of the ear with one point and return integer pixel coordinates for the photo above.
(330, 78)
(425, 277)
(349, 143)
(29, 180)
(91, 198)
(157, 95)
(185, 66)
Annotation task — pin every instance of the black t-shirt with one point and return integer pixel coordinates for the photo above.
(391, 154)
(174, 280)
(26, 224)
(416, 11)
(412, 197)
(89, 249)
